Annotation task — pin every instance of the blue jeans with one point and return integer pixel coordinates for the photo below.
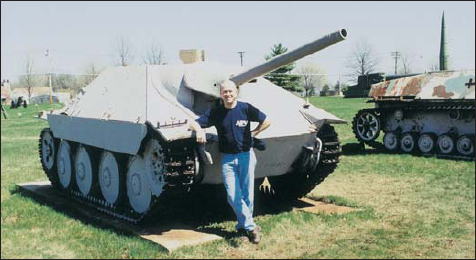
(238, 172)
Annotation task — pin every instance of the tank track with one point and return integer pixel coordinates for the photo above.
(179, 177)
(306, 176)
(468, 106)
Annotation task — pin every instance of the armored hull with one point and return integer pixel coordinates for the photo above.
(124, 144)
(429, 114)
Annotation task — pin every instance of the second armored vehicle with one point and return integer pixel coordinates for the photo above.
(430, 113)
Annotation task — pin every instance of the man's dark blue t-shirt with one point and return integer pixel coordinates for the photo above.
(233, 125)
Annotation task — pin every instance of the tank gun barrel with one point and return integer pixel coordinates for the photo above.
(289, 57)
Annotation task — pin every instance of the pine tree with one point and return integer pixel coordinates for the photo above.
(281, 76)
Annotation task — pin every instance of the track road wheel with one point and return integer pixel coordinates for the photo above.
(65, 165)
(137, 183)
(111, 177)
(390, 141)
(366, 126)
(305, 174)
(407, 142)
(465, 145)
(47, 147)
(427, 143)
(85, 170)
(446, 144)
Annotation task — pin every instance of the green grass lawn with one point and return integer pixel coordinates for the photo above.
(411, 207)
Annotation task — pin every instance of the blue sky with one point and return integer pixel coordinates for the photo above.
(81, 33)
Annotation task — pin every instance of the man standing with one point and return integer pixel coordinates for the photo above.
(232, 121)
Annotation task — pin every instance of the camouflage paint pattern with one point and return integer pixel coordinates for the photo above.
(433, 85)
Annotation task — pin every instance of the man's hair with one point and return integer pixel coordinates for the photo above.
(227, 83)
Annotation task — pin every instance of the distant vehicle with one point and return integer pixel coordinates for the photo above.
(365, 82)
(39, 99)
(20, 101)
(429, 113)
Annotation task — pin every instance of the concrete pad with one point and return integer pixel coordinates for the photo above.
(169, 235)
(319, 207)
(176, 238)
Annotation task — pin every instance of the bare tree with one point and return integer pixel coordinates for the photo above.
(154, 55)
(406, 63)
(312, 78)
(434, 65)
(362, 60)
(66, 82)
(124, 51)
(92, 71)
(29, 80)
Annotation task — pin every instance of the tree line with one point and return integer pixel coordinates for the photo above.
(309, 78)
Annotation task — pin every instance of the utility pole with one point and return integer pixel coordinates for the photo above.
(47, 55)
(340, 89)
(241, 57)
(396, 55)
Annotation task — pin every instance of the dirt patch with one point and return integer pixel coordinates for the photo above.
(175, 238)
(372, 190)
(318, 207)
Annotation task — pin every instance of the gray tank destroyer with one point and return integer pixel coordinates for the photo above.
(124, 144)
(429, 114)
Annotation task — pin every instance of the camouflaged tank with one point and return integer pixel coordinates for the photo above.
(124, 144)
(430, 113)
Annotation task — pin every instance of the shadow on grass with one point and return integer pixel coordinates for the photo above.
(199, 210)
(50, 197)
(361, 149)
(351, 149)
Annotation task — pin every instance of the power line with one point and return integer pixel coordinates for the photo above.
(396, 55)
(241, 57)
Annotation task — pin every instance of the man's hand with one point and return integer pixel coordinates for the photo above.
(199, 132)
(261, 127)
(312, 128)
(201, 136)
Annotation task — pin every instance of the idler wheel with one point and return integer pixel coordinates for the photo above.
(407, 142)
(445, 144)
(390, 141)
(137, 183)
(465, 145)
(427, 143)
(65, 164)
